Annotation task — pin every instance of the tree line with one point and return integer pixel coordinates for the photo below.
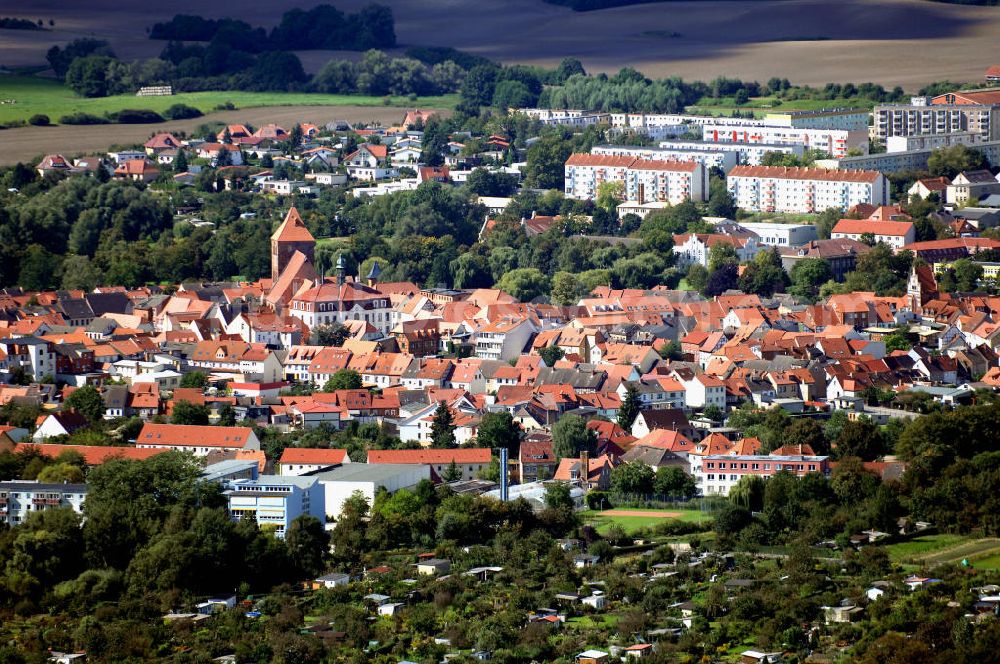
(322, 27)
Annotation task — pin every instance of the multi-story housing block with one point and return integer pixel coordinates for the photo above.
(809, 190)
(645, 180)
(19, 498)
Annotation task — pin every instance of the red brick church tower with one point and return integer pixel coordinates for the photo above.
(291, 236)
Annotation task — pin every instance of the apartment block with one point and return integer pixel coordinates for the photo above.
(835, 142)
(645, 180)
(945, 114)
(747, 154)
(718, 473)
(808, 190)
(709, 155)
(850, 119)
(19, 498)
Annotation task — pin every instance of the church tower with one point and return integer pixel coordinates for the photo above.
(291, 236)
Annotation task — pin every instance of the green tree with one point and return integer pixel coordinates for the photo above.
(86, 401)
(307, 543)
(58, 473)
(629, 410)
(443, 427)
(196, 379)
(634, 477)
(349, 535)
(329, 335)
(967, 274)
(524, 284)
(566, 288)
(860, 438)
(610, 194)
(570, 436)
(343, 379)
(551, 354)
(748, 493)
(499, 430)
(950, 161)
(451, 473)
(547, 163)
(185, 412)
(806, 432)
(557, 496)
(673, 481)
(807, 276)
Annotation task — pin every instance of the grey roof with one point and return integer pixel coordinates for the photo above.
(53, 487)
(363, 472)
(104, 303)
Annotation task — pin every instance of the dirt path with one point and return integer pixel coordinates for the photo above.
(654, 514)
(27, 143)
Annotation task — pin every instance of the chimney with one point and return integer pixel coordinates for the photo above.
(584, 466)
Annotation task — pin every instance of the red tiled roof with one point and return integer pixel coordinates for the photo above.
(292, 229)
(183, 435)
(862, 226)
(93, 455)
(794, 173)
(314, 455)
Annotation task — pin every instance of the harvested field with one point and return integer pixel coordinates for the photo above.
(904, 42)
(26, 143)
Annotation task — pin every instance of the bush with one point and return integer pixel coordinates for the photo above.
(136, 116)
(83, 119)
(39, 120)
(182, 112)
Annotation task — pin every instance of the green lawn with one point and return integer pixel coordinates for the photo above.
(921, 546)
(762, 105)
(633, 524)
(990, 562)
(32, 95)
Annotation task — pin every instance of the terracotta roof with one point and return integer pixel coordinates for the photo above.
(93, 455)
(312, 455)
(794, 173)
(862, 226)
(292, 229)
(182, 435)
(991, 96)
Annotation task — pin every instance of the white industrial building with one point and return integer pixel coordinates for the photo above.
(341, 483)
(782, 235)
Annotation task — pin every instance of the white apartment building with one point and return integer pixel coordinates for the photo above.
(504, 339)
(19, 498)
(804, 190)
(851, 119)
(747, 154)
(896, 234)
(564, 117)
(691, 248)
(709, 155)
(782, 235)
(716, 474)
(930, 141)
(835, 142)
(645, 181)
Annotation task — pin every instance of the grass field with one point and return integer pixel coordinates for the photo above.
(763, 105)
(989, 562)
(32, 95)
(921, 546)
(632, 524)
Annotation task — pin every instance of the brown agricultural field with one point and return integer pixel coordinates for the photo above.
(26, 143)
(895, 42)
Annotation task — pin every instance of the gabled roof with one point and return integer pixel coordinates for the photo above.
(182, 435)
(312, 456)
(461, 455)
(862, 226)
(293, 229)
(795, 173)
